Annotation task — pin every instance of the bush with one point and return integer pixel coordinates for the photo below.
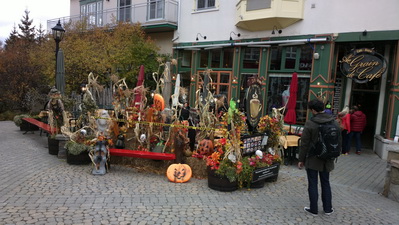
(18, 119)
(7, 115)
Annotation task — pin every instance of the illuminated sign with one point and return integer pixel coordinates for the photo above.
(363, 65)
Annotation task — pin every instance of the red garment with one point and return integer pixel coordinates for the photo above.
(358, 121)
(346, 122)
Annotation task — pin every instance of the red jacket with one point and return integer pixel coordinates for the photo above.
(358, 121)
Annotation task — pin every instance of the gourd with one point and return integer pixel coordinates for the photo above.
(179, 173)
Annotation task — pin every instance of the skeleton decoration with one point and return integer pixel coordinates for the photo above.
(99, 158)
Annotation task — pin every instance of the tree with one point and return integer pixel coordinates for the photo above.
(27, 31)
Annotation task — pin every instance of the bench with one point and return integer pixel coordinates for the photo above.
(141, 154)
(44, 126)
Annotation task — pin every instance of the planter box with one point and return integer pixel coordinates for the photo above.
(81, 159)
(219, 183)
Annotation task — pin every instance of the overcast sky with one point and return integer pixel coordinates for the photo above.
(11, 13)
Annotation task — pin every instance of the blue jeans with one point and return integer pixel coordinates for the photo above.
(357, 139)
(326, 195)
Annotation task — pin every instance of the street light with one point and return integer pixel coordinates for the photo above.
(58, 34)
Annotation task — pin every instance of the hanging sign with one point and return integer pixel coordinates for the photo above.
(363, 65)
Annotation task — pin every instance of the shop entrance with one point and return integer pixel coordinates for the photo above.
(366, 96)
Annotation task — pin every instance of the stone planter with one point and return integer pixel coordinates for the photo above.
(219, 183)
(53, 146)
(81, 159)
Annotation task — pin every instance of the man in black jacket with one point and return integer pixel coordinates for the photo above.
(314, 166)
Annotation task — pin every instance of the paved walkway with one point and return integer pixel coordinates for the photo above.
(38, 188)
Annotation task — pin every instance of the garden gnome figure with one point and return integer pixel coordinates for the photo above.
(100, 158)
(56, 110)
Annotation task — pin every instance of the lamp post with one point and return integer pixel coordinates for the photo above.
(58, 34)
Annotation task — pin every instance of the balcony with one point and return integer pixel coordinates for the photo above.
(158, 16)
(257, 15)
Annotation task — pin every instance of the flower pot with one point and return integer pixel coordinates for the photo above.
(26, 126)
(266, 174)
(81, 159)
(53, 145)
(220, 183)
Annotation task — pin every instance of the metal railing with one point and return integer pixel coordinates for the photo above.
(147, 14)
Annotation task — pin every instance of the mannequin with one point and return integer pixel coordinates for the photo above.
(286, 96)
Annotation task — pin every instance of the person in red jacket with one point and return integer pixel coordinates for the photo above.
(357, 123)
(343, 119)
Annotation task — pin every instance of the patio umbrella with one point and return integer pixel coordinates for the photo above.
(60, 73)
(290, 117)
(167, 88)
(140, 82)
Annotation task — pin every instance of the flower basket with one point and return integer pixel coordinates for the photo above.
(220, 183)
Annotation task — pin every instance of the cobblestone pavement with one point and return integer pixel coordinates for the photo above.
(39, 188)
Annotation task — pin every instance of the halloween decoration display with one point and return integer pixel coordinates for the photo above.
(56, 110)
(205, 147)
(99, 157)
(179, 173)
(103, 122)
(253, 105)
(120, 143)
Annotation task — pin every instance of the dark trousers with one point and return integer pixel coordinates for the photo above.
(345, 142)
(313, 191)
(355, 134)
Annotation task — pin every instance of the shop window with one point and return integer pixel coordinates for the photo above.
(258, 4)
(220, 84)
(279, 84)
(228, 55)
(186, 59)
(276, 54)
(215, 56)
(290, 57)
(204, 56)
(251, 58)
(205, 4)
(305, 61)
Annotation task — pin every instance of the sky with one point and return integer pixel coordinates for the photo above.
(11, 13)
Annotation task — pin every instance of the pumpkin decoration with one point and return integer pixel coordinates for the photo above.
(159, 102)
(179, 173)
(205, 147)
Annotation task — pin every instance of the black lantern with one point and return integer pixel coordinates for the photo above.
(58, 34)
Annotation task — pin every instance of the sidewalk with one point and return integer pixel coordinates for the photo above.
(38, 188)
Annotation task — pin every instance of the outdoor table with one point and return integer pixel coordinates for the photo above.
(290, 146)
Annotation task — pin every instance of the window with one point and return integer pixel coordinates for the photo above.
(215, 53)
(228, 55)
(291, 58)
(125, 10)
(258, 4)
(279, 84)
(93, 13)
(251, 58)
(205, 4)
(220, 84)
(156, 9)
(186, 59)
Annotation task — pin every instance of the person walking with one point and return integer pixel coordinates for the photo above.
(343, 119)
(358, 122)
(316, 167)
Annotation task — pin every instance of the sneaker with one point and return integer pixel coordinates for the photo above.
(307, 209)
(329, 213)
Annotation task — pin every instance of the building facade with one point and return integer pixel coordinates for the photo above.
(272, 39)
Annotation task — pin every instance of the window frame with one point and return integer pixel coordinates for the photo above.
(206, 5)
(284, 57)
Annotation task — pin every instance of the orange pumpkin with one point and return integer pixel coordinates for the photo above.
(159, 102)
(205, 147)
(179, 173)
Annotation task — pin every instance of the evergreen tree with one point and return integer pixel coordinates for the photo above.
(12, 39)
(41, 33)
(27, 31)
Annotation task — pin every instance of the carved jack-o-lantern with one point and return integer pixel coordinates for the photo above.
(159, 102)
(179, 173)
(205, 147)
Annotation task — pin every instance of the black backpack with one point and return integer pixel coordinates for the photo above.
(328, 145)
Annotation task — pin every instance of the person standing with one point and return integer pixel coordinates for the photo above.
(358, 122)
(343, 119)
(316, 167)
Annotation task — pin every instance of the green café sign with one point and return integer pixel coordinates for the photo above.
(363, 65)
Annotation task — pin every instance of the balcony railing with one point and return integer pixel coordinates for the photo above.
(156, 13)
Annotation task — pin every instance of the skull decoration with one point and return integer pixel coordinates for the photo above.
(205, 147)
(100, 158)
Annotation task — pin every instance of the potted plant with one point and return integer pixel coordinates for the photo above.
(77, 153)
(23, 125)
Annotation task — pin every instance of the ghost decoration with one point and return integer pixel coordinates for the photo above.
(232, 158)
(103, 122)
(143, 138)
